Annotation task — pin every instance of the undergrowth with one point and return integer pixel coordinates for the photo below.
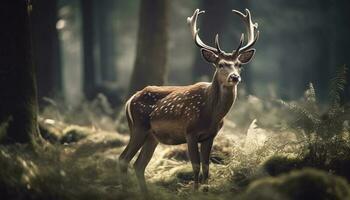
(324, 132)
(261, 155)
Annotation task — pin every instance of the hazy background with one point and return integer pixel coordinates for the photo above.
(300, 42)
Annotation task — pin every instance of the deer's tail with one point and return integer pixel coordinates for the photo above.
(128, 110)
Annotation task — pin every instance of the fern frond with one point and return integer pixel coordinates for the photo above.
(310, 94)
(337, 85)
(310, 99)
(302, 113)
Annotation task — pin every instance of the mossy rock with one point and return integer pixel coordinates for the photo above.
(279, 164)
(299, 185)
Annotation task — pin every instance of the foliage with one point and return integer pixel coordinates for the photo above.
(325, 133)
(281, 164)
(308, 117)
(97, 113)
(59, 172)
(81, 160)
(87, 168)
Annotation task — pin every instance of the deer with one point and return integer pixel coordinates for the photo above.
(192, 114)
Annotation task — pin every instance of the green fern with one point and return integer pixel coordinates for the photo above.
(337, 86)
(305, 119)
(307, 113)
(310, 94)
(310, 99)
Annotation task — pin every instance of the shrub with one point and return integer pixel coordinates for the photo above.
(279, 164)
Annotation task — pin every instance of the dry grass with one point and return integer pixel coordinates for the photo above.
(87, 165)
(81, 162)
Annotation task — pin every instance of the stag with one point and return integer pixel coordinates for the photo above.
(190, 114)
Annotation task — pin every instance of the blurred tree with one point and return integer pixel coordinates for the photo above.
(106, 34)
(331, 41)
(301, 54)
(18, 106)
(46, 47)
(89, 81)
(340, 37)
(214, 21)
(324, 48)
(98, 46)
(151, 55)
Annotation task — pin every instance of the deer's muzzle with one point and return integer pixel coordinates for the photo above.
(234, 78)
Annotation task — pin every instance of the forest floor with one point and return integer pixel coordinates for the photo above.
(248, 161)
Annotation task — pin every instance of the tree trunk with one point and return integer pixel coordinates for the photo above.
(106, 35)
(17, 74)
(88, 48)
(151, 55)
(46, 47)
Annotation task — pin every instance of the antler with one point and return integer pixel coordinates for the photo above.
(247, 19)
(192, 21)
(251, 28)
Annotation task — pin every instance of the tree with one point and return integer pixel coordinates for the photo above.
(151, 55)
(18, 106)
(46, 47)
(340, 37)
(88, 47)
(106, 35)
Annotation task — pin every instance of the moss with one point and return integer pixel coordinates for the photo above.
(299, 185)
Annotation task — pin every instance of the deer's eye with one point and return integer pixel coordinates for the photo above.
(221, 65)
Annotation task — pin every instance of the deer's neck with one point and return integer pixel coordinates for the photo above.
(221, 98)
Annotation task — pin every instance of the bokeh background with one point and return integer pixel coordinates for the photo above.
(284, 138)
(87, 47)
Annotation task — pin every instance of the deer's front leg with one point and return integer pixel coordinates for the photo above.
(205, 154)
(193, 152)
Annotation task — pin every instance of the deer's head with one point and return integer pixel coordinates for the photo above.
(228, 65)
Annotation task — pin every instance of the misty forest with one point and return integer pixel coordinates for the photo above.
(82, 116)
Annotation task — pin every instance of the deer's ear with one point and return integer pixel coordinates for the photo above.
(209, 56)
(246, 56)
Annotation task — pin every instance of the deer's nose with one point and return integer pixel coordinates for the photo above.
(234, 78)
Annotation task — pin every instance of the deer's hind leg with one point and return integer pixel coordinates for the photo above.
(137, 139)
(143, 160)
